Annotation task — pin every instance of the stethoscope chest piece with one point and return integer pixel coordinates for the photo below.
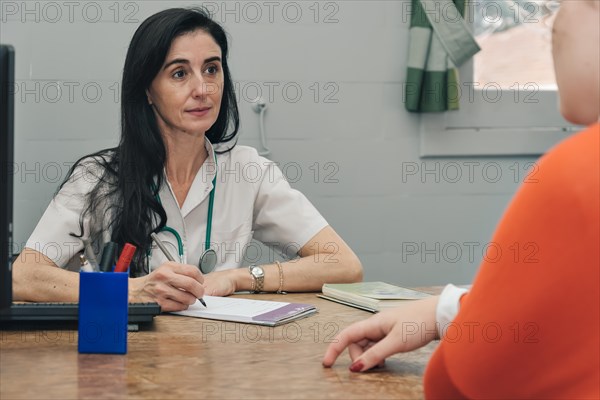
(208, 261)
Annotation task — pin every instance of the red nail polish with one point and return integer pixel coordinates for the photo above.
(357, 366)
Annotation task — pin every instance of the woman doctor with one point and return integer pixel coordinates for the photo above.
(178, 173)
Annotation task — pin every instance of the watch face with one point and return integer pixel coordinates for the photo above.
(258, 272)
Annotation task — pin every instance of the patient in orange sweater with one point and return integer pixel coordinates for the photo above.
(530, 326)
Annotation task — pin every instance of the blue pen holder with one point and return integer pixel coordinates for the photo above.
(103, 312)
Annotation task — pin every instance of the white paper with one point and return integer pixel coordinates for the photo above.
(232, 306)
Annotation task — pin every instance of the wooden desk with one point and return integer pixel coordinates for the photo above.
(184, 358)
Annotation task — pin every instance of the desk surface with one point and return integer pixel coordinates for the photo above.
(181, 357)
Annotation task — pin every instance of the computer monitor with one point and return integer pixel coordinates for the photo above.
(20, 313)
(7, 79)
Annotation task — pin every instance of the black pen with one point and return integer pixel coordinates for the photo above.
(162, 247)
(108, 256)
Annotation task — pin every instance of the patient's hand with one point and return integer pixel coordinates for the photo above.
(398, 330)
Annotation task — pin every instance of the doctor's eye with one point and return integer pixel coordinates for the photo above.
(212, 69)
(179, 74)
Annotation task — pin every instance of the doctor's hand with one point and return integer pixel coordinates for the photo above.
(174, 286)
(397, 330)
(220, 283)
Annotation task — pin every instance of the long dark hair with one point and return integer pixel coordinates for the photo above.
(127, 178)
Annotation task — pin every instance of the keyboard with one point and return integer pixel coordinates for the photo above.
(138, 312)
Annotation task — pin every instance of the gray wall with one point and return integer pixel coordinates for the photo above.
(408, 223)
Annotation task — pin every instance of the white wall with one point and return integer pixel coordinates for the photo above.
(372, 186)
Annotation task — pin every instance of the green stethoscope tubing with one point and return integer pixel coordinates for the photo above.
(179, 241)
(211, 201)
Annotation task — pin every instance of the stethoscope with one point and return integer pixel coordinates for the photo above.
(208, 259)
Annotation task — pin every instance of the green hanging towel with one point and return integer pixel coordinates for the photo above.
(440, 41)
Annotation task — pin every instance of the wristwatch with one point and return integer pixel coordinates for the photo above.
(258, 278)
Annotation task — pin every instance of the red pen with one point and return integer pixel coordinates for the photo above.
(125, 258)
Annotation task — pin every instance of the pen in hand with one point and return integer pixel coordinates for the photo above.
(162, 247)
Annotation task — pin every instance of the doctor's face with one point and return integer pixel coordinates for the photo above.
(186, 93)
(576, 52)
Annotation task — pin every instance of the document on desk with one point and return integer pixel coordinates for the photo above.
(370, 296)
(249, 311)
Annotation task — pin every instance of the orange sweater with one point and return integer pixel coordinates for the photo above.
(530, 327)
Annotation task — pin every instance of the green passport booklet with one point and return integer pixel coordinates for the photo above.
(370, 296)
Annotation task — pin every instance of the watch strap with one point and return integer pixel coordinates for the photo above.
(258, 278)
